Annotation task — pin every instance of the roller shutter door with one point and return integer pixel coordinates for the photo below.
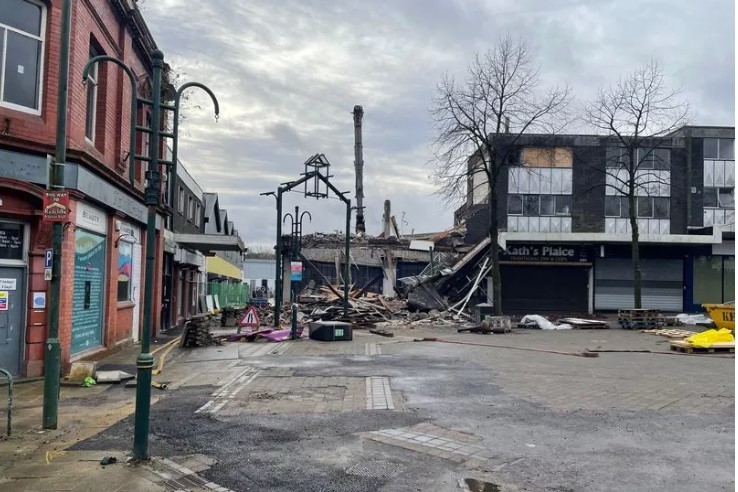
(662, 284)
(529, 289)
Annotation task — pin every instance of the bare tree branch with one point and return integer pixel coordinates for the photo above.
(479, 121)
(638, 114)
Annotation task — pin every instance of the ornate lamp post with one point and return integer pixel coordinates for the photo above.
(295, 247)
(152, 193)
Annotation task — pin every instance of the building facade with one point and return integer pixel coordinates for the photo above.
(566, 233)
(103, 238)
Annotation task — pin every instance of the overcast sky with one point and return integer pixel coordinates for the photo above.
(287, 74)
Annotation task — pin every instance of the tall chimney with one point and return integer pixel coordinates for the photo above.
(359, 166)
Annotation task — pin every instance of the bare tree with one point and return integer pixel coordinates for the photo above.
(478, 122)
(638, 113)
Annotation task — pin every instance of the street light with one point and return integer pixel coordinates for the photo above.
(152, 193)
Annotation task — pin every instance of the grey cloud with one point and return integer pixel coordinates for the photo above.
(288, 75)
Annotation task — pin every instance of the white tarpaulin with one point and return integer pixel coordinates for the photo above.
(542, 322)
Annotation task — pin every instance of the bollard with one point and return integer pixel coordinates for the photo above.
(10, 399)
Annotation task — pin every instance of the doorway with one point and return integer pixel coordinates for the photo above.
(12, 311)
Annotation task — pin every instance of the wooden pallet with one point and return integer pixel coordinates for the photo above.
(672, 333)
(688, 348)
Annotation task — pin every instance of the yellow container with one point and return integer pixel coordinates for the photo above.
(722, 314)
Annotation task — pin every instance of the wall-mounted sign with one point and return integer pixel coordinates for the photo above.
(56, 206)
(8, 283)
(3, 300)
(39, 300)
(11, 241)
(547, 253)
(91, 218)
(296, 271)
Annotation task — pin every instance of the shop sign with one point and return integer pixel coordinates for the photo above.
(91, 218)
(56, 206)
(547, 253)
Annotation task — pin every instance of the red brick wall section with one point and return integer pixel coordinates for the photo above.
(96, 19)
(65, 301)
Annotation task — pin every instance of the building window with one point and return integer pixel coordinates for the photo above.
(92, 85)
(652, 207)
(539, 205)
(191, 209)
(197, 214)
(719, 198)
(515, 204)
(719, 148)
(547, 157)
(654, 159)
(647, 158)
(22, 26)
(617, 206)
(125, 264)
(181, 201)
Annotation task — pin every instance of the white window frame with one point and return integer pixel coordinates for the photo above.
(181, 200)
(197, 214)
(190, 208)
(93, 81)
(42, 38)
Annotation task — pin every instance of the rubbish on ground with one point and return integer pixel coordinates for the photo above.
(112, 376)
(538, 321)
(108, 460)
(80, 370)
(161, 386)
(709, 337)
(583, 324)
(383, 333)
(722, 314)
(89, 381)
(694, 319)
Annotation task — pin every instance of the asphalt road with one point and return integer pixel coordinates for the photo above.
(271, 437)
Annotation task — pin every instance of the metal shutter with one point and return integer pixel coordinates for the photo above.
(662, 284)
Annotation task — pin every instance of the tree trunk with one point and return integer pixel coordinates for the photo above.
(494, 250)
(635, 250)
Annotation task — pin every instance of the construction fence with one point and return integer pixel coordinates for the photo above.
(230, 294)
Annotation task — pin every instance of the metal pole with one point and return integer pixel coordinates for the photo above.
(52, 359)
(347, 267)
(145, 361)
(278, 279)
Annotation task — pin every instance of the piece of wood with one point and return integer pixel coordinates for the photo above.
(383, 333)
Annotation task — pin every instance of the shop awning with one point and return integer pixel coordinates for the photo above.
(218, 266)
(209, 243)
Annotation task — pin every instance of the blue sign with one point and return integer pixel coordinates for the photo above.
(49, 258)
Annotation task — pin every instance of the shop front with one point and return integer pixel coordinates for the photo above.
(710, 276)
(662, 277)
(88, 298)
(546, 278)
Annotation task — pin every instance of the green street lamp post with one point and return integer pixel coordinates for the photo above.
(52, 354)
(152, 193)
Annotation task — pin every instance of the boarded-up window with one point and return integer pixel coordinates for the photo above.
(547, 157)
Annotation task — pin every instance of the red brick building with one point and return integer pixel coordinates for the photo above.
(103, 267)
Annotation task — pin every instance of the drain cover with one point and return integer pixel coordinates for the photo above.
(374, 469)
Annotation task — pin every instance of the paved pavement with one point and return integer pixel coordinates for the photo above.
(394, 414)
